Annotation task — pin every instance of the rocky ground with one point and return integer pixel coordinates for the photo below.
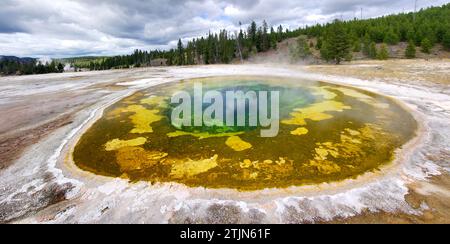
(43, 117)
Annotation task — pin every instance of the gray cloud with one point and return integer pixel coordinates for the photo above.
(104, 27)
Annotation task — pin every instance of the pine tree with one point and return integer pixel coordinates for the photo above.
(357, 46)
(391, 37)
(366, 42)
(190, 54)
(319, 44)
(372, 50)
(339, 42)
(252, 32)
(446, 40)
(273, 38)
(265, 42)
(383, 53)
(60, 68)
(325, 51)
(180, 53)
(411, 33)
(280, 33)
(426, 46)
(259, 40)
(349, 57)
(410, 50)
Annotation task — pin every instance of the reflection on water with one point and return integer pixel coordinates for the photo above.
(327, 133)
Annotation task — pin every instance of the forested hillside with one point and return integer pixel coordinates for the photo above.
(336, 42)
(10, 65)
(423, 30)
(215, 48)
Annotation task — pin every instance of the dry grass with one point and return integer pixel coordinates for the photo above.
(408, 71)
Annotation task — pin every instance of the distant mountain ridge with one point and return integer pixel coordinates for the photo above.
(17, 59)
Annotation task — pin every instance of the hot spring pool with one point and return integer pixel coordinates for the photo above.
(327, 133)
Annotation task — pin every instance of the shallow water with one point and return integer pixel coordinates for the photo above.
(327, 133)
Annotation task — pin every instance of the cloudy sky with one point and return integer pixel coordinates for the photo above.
(63, 28)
